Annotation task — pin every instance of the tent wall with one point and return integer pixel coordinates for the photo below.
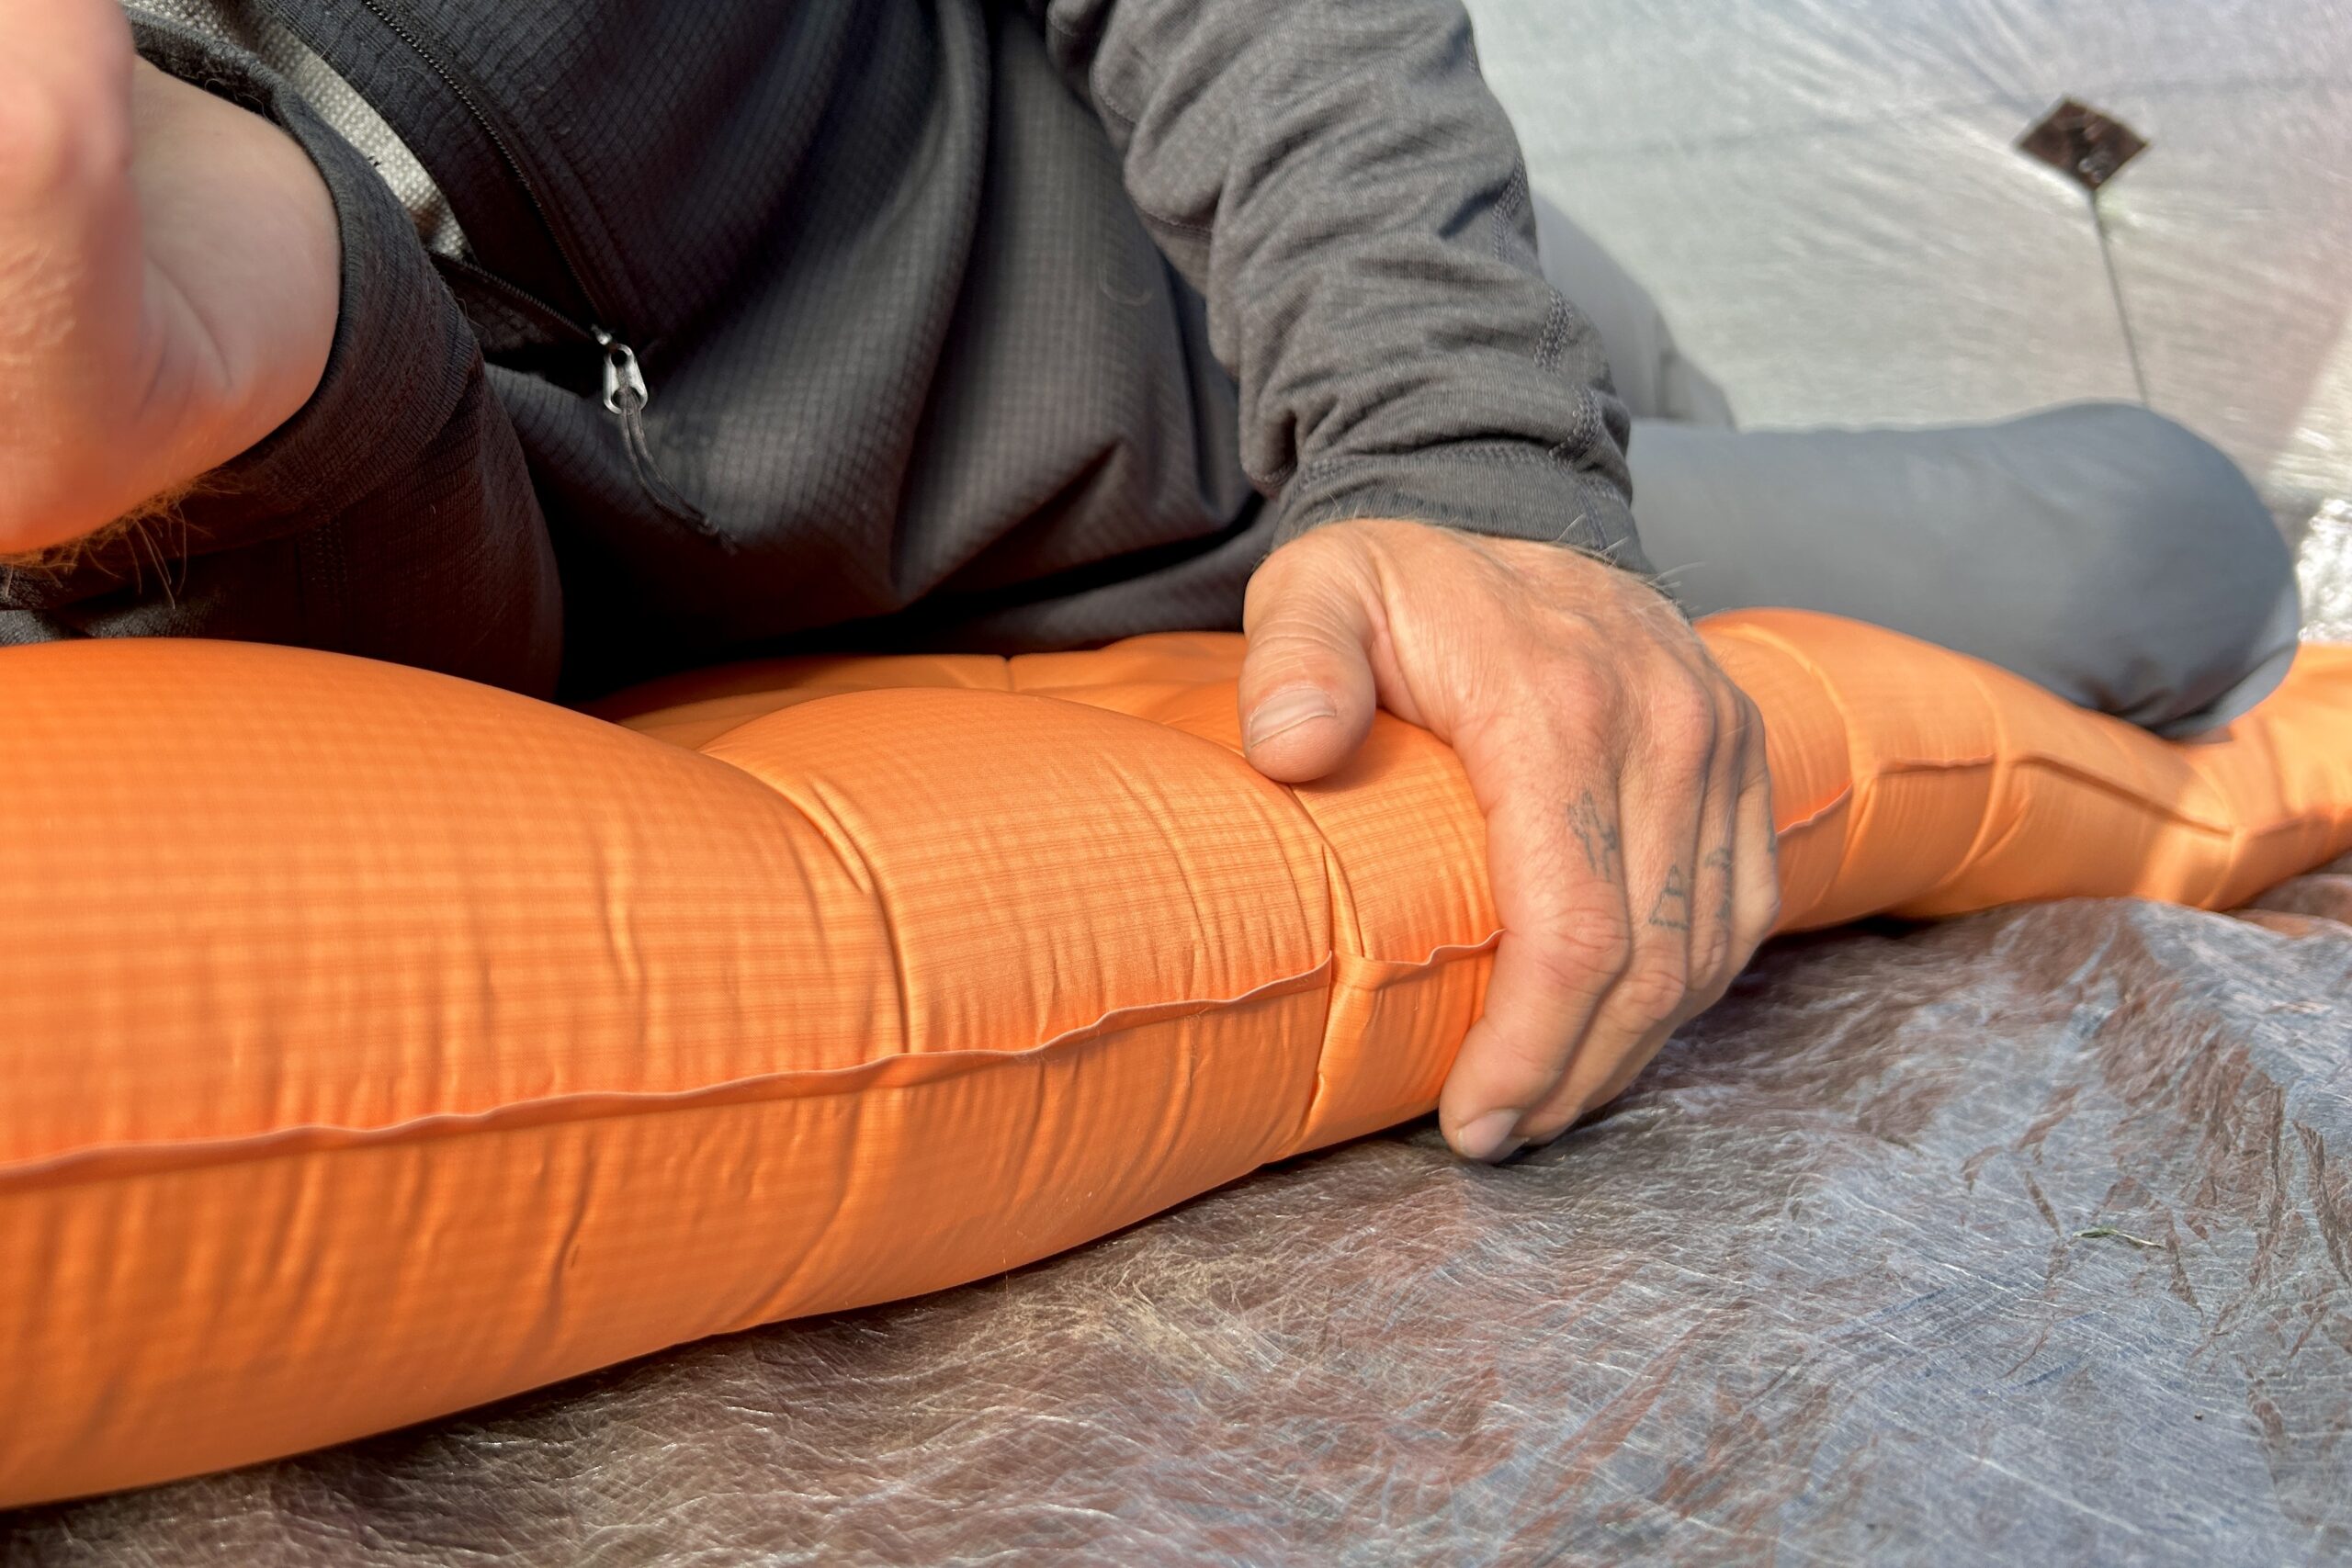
(1826, 200)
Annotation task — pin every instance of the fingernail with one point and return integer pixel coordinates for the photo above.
(1489, 1138)
(1287, 709)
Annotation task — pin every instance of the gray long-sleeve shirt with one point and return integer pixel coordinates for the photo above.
(963, 323)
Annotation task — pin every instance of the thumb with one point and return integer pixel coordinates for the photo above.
(1307, 692)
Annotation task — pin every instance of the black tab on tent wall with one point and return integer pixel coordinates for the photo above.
(2079, 142)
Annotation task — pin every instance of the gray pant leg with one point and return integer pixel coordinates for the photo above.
(2100, 550)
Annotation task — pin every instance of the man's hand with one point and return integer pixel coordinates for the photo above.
(1628, 817)
(169, 276)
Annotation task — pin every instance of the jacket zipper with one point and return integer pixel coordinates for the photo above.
(625, 388)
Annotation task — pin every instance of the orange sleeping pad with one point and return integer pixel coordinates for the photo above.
(376, 1044)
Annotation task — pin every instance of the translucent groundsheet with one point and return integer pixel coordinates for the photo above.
(1818, 1290)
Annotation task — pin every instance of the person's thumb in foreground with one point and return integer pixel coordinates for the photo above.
(1308, 692)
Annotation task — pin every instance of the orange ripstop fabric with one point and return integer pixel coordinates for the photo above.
(376, 1044)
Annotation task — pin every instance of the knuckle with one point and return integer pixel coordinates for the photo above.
(1763, 911)
(1324, 544)
(1654, 990)
(1309, 600)
(1703, 998)
(1585, 955)
(1299, 638)
(1755, 763)
(1756, 919)
(1715, 956)
(1584, 692)
(1683, 718)
(1289, 657)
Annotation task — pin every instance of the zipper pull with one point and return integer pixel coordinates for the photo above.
(625, 388)
(627, 394)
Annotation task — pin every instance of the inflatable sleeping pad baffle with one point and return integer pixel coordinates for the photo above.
(376, 1044)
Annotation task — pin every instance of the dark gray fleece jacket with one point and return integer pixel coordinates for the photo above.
(757, 325)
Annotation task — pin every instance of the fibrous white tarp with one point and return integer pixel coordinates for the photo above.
(1826, 199)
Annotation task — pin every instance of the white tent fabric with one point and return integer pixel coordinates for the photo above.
(1826, 200)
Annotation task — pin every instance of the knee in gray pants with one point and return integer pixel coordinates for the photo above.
(2185, 584)
(2100, 550)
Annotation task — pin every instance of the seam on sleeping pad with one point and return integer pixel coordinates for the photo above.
(629, 715)
(2238, 834)
(2034, 760)
(1846, 744)
(1819, 814)
(906, 1069)
(2043, 763)
(704, 747)
(2002, 787)
(1336, 891)
(1438, 956)
(847, 848)
(1929, 764)
(2082, 775)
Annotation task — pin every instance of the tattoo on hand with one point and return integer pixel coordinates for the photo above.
(1597, 834)
(1719, 860)
(1672, 912)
